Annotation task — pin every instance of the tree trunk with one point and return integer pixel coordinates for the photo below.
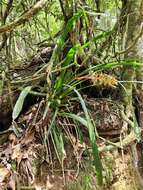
(133, 29)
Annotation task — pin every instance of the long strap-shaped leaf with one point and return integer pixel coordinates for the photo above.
(69, 57)
(61, 41)
(97, 161)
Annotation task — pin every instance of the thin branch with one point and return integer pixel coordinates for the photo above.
(24, 18)
(133, 43)
(4, 17)
(63, 11)
(97, 2)
(128, 140)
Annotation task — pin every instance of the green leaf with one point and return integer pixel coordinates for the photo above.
(95, 152)
(102, 35)
(112, 65)
(19, 104)
(63, 76)
(64, 35)
(75, 117)
(59, 145)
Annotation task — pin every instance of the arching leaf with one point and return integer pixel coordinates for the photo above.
(19, 104)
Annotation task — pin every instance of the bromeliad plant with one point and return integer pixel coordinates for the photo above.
(64, 82)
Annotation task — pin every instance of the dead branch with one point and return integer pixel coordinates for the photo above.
(24, 18)
(128, 140)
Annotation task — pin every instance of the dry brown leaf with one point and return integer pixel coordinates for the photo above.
(4, 174)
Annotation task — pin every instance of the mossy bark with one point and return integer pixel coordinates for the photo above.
(134, 32)
(132, 29)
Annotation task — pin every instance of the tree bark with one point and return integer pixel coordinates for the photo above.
(133, 28)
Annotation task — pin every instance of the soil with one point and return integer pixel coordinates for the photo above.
(29, 160)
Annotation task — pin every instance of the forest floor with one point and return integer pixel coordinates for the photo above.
(29, 161)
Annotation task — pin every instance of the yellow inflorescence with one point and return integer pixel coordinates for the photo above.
(104, 79)
(101, 79)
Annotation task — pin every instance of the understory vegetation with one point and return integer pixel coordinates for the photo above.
(71, 94)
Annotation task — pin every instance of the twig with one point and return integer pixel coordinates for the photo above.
(133, 43)
(25, 17)
(128, 140)
(5, 15)
(63, 11)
